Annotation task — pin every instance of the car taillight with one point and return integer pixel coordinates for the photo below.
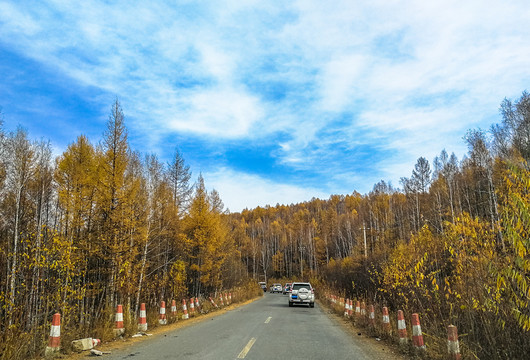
(312, 291)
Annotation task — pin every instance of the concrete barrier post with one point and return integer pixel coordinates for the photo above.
(453, 347)
(173, 307)
(185, 310)
(192, 307)
(162, 320)
(386, 320)
(119, 328)
(372, 316)
(402, 328)
(142, 320)
(54, 342)
(417, 336)
(213, 302)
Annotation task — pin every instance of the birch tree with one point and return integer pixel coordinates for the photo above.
(21, 168)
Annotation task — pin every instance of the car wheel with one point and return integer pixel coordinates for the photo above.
(290, 304)
(312, 305)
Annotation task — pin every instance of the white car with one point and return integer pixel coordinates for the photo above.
(276, 288)
(302, 293)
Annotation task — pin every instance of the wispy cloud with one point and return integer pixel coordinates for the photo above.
(347, 92)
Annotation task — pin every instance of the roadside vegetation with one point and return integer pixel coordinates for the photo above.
(102, 224)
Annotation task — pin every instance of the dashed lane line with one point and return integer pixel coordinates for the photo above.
(246, 349)
(268, 320)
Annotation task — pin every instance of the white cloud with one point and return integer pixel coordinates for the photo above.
(15, 21)
(340, 81)
(217, 112)
(240, 190)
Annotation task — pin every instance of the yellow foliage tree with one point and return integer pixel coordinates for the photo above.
(514, 278)
(205, 236)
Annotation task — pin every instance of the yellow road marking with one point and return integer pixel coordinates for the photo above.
(268, 320)
(246, 349)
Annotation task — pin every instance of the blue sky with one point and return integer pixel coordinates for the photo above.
(272, 101)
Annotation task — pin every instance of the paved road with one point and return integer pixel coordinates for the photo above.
(265, 329)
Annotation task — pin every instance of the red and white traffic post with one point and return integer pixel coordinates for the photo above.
(162, 320)
(386, 320)
(185, 310)
(417, 336)
(453, 347)
(119, 329)
(142, 320)
(54, 342)
(197, 305)
(372, 316)
(192, 307)
(173, 307)
(402, 328)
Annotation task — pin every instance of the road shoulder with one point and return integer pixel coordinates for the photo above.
(157, 331)
(381, 350)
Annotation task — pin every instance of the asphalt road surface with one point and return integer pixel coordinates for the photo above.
(264, 329)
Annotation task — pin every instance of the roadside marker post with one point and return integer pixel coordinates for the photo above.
(119, 329)
(192, 307)
(386, 320)
(185, 310)
(142, 321)
(162, 320)
(372, 316)
(54, 342)
(417, 336)
(173, 307)
(213, 302)
(197, 305)
(402, 328)
(453, 347)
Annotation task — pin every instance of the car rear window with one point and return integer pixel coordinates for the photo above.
(299, 286)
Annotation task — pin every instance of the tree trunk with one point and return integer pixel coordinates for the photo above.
(12, 284)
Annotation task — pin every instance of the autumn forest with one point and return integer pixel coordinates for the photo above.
(101, 225)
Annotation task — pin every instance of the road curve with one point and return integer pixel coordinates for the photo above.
(264, 329)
